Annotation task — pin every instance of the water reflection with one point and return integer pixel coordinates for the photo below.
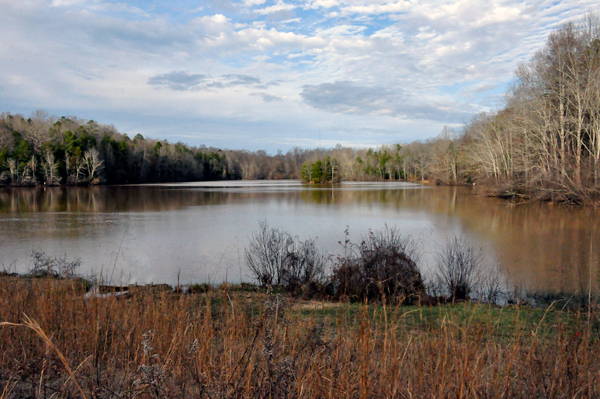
(199, 231)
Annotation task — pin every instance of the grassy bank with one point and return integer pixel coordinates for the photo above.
(246, 343)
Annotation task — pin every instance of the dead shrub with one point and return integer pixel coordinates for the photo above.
(304, 267)
(383, 266)
(461, 273)
(458, 268)
(276, 258)
(47, 266)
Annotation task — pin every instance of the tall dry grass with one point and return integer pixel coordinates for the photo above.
(156, 344)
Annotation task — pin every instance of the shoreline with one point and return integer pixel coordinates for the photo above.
(89, 288)
(490, 191)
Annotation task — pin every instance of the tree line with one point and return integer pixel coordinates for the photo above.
(43, 149)
(544, 142)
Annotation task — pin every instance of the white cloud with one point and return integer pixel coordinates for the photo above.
(322, 4)
(279, 6)
(353, 64)
(67, 3)
(214, 19)
(118, 7)
(399, 6)
(291, 21)
(254, 2)
(345, 97)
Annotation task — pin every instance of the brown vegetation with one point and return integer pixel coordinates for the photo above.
(545, 143)
(238, 344)
(382, 267)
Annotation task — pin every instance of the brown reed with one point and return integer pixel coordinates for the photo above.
(230, 344)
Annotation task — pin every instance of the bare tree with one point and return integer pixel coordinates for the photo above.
(13, 170)
(545, 141)
(50, 169)
(31, 168)
(91, 164)
(445, 156)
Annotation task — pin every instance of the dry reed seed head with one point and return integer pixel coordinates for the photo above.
(268, 345)
(286, 375)
(315, 340)
(151, 379)
(194, 347)
(147, 339)
(276, 308)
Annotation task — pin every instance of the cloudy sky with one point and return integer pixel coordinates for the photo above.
(269, 74)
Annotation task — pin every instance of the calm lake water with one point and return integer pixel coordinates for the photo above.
(199, 231)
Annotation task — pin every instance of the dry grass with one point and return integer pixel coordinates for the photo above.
(315, 305)
(226, 344)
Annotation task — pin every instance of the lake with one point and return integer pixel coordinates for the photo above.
(197, 232)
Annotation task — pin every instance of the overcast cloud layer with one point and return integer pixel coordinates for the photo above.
(264, 74)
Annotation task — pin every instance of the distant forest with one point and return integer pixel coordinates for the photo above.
(544, 143)
(42, 149)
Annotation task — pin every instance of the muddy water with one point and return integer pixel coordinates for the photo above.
(198, 232)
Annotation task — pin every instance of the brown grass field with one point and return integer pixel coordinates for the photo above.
(230, 343)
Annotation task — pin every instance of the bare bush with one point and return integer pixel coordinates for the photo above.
(458, 268)
(267, 253)
(44, 265)
(493, 286)
(383, 266)
(277, 258)
(304, 267)
(462, 272)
